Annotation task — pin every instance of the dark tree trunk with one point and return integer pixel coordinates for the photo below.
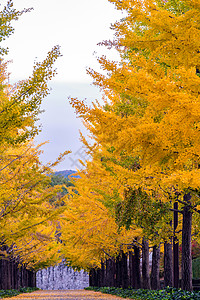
(98, 271)
(168, 266)
(30, 279)
(34, 279)
(22, 276)
(16, 274)
(137, 266)
(110, 272)
(10, 275)
(114, 272)
(92, 277)
(26, 276)
(134, 268)
(124, 271)
(155, 279)
(186, 282)
(132, 275)
(118, 272)
(5, 275)
(1, 274)
(102, 275)
(145, 265)
(175, 249)
(19, 283)
(121, 271)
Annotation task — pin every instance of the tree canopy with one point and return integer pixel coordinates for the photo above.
(146, 133)
(29, 223)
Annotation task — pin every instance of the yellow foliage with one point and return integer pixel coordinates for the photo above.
(151, 112)
(29, 224)
(89, 231)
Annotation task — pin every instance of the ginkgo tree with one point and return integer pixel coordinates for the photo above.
(29, 223)
(25, 189)
(155, 87)
(89, 231)
(107, 183)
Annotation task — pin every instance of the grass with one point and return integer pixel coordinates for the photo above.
(165, 294)
(12, 293)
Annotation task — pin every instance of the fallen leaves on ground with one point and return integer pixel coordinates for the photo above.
(65, 294)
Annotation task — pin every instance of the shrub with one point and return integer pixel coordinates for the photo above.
(166, 294)
(196, 268)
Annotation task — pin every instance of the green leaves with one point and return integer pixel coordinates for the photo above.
(166, 294)
(12, 293)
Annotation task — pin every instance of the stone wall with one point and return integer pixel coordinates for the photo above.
(61, 277)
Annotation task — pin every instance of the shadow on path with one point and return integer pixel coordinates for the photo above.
(65, 294)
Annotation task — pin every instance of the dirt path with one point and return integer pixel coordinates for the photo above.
(65, 295)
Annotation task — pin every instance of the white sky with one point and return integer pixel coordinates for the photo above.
(77, 26)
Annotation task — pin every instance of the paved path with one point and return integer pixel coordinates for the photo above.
(65, 295)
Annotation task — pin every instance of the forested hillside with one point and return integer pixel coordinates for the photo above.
(65, 173)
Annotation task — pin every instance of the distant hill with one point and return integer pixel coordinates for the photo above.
(65, 173)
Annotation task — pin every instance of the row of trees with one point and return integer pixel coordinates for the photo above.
(123, 272)
(14, 275)
(142, 181)
(28, 222)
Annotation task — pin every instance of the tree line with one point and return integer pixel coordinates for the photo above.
(142, 178)
(28, 220)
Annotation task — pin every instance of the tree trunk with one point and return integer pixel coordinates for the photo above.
(13, 273)
(118, 272)
(124, 271)
(137, 266)
(102, 275)
(16, 274)
(1, 274)
(10, 274)
(132, 275)
(168, 266)
(114, 272)
(134, 268)
(19, 277)
(5, 275)
(186, 282)
(30, 279)
(175, 249)
(110, 273)
(34, 279)
(98, 271)
(145, 265)
(155, 279)
(92, 277)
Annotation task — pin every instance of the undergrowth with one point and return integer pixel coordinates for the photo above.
(165, 294)
(12, 293)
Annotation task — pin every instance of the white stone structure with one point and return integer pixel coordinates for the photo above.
(61, 277)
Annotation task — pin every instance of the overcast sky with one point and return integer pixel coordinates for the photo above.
(77, 26)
